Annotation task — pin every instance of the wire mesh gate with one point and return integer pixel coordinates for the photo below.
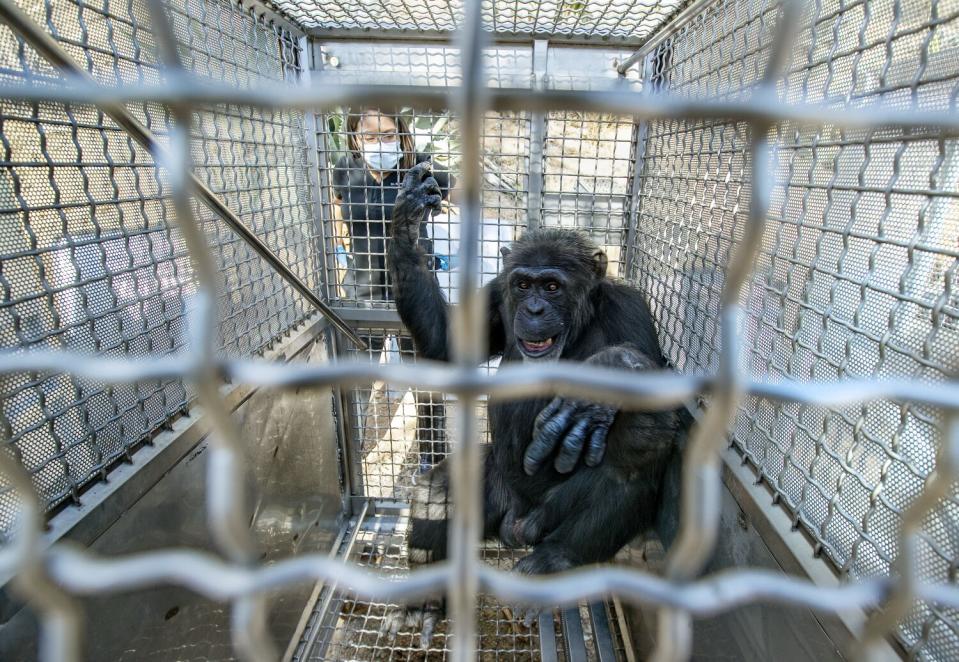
(834, 262)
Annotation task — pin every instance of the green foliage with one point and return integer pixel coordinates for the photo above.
(337, 145)
(438, 135)
(573, 9)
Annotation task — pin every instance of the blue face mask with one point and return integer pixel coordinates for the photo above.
(382, 155)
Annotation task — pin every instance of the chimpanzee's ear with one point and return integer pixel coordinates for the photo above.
(504, 251)
(600, 262)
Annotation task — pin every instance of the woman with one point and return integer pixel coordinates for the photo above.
(365, 184)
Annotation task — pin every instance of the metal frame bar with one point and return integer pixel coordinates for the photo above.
(324, 210)
(380, 317)
(602, 634)
(635, 201)
(469, 331)
(615, 101)
(308, 608)
(352, 476)
(547, 637)
(623, 625)
(330, 588)
(537, 138)
(317, 173)
(440, 36)
(649, 390)
(49, 577)
(674, 25)
(573, 634)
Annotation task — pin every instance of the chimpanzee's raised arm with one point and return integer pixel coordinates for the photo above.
(419, 299)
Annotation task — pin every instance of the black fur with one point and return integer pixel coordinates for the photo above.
(569, 518)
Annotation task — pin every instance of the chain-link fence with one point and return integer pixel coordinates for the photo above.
(780, 179)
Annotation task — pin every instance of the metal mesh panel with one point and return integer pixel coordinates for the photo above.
(397, 433)
(436, 136)
(91, 262)
(855, 277)
(588, 181)
(702, 236)
(631, 19)
(349, 627)
(586, 174)
(585, 178)
(433, 65)
(360, 267)
(506, 144)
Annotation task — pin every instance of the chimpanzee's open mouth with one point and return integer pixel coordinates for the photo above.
(537, 348)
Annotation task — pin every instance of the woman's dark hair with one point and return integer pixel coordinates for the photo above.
(407, 160)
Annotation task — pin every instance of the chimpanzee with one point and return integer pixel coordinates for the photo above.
(552, 300)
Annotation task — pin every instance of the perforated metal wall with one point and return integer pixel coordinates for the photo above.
(855, 276)
(91, 259)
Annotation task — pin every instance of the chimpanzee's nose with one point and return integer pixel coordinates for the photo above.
(535, 307)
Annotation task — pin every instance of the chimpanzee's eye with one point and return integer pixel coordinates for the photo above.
(523, 284)
(552, 286)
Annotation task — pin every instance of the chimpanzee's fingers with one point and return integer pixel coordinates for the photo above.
(429, 625)
(572, 446)
(416, 174)
(429, 186)
(597, 446)
(432, 201)
(531, 616)
(546, 414)
(545, 441)
(416, 204)
(394, 620)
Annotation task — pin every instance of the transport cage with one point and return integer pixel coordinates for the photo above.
(206, 400)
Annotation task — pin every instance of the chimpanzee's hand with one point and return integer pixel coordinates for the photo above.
(572, 426)
(418, 192)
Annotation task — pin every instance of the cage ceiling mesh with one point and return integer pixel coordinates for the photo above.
(610, 19)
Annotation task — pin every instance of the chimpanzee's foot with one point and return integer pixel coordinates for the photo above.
(544, 560)
(528, 615)
(423, 618)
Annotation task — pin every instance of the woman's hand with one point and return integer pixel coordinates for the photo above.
(418, 192)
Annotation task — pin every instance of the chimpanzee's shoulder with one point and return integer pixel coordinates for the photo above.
(623, 314)
(617, 294)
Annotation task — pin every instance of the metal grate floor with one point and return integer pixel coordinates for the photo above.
(343, 628)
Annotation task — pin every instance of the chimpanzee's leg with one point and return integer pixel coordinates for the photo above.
(430, 509)
(587, 519)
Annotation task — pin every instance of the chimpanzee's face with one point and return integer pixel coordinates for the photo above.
(540, 300)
